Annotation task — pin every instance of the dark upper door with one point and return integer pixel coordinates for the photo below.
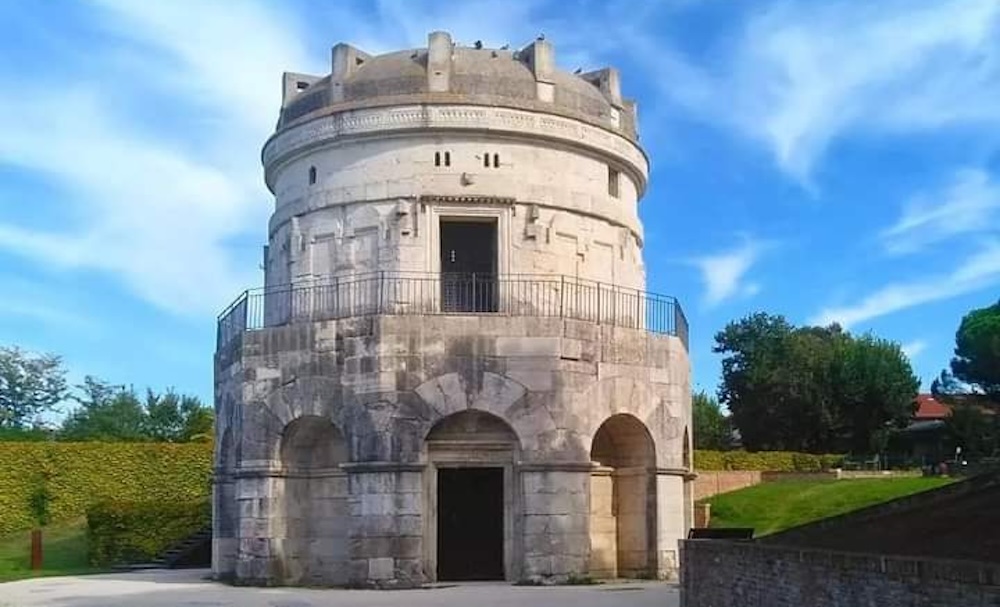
(468, 266)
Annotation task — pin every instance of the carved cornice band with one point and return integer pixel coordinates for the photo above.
(375, 122)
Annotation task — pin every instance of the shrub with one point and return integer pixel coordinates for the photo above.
(129, 532)
(765, 461)
(84, 473)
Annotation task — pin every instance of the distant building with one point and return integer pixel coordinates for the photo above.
(454, 370)
(930, 409)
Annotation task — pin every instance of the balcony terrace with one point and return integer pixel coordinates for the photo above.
(418, 294)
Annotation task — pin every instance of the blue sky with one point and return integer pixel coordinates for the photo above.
(829, 161)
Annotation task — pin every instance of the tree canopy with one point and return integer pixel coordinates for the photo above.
(977, 351)
(29, 385)
(116, 413)
(972, 387)
(711, 426)
(813, 389)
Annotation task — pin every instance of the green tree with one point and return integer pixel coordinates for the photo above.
(875, 393)
(106, 412)
(972, 387)
(977, 351)
(753, 351)
(808, 412)
(975, 431)
(813, 389)
(29, 385)
(172, 417)
(711, 427)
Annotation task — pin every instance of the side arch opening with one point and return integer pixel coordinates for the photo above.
(623, 500)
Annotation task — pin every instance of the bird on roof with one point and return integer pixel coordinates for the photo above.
(541, 36)
(478, 45)
(578, 70)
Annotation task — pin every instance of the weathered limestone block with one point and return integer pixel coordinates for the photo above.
(382, 539)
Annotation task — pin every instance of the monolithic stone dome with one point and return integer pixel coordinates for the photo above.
(477, 76)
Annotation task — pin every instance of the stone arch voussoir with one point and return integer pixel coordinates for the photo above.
(630, 396)
(495, 394)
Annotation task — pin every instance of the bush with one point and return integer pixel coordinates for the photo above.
(80, 474)
(765, 461)
(130, 532)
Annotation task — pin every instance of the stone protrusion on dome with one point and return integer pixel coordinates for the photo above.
(345, 60)
(292, 84)
(439, 56)
(608, 82)
(540, 57)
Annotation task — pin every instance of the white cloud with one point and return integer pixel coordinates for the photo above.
(158, 159)
(723, 273)
(155, 204)
(912, 349)
(801, 75)
(969, 204)
(976, 272)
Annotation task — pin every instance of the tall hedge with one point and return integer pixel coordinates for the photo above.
(81, 474)
(134, 532)
(765, 461)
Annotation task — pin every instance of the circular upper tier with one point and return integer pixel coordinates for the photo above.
(448, 73)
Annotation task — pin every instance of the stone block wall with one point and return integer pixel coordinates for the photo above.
(556, 523)
(747, 574)
(386, 527)
(383, 384)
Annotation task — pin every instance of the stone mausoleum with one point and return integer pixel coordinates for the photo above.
(453, 370)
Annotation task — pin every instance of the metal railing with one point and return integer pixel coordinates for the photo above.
(391, 293)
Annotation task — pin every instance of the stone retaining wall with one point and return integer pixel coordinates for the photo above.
(718, 573)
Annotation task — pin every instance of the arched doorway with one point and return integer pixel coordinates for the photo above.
(469, 534)
(623, 500)
(315, 497)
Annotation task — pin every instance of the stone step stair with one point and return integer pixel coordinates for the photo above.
(183, 553)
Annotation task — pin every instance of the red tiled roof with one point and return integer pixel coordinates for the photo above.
(929, 408)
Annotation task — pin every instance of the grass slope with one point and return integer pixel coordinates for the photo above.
(773, 507)
(64, 549)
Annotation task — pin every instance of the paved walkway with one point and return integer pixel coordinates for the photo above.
(191, 589)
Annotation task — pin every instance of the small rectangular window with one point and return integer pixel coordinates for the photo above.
(447, 159)
(486, 160)
(437, 159)
(613, 177)
(496, 161)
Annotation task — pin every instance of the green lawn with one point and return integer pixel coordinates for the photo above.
(64, 549)
(772, 507)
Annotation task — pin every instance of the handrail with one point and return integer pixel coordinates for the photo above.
(415, 293)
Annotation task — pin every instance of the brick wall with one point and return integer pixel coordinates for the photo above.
(718, 573)
(713, 483)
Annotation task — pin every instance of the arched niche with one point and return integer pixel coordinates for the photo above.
(623, 499)
(312, 534)
(312, 443)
